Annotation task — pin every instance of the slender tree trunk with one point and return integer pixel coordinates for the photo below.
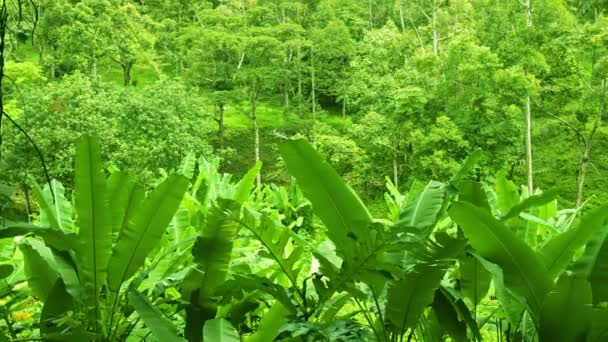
(220, 122)
(286, 94)
(126, 73)
(94, 67)
(586, 158)
(529, 145)
(3, 30)
(435, 33)
(528, 6)
(371, 14)
(299, 83)
(40, 52)
(344, 109)
(313, 93)
(256, 130)
(395, 168)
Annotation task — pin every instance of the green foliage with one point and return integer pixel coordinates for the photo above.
(127, 121)
(394, 95)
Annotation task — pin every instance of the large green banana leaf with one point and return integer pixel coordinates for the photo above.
(212, 253)
(246, 184)
(188, 165)
(145, 230)
(95, 230)
(532, 201)
(561, 248)
(158, 324)
(53, 237)
(507, 195)
(473, 192)
(276, 239)
(336, 204)
(467, 166)
(566, 313)
(448, 318)
(39, 267)
(409, 296)
(55, 209)
(271, 323)
(358, 240)
(524, 272)
(220, 330)
(422, 212)
(473, 279)
(126, 197)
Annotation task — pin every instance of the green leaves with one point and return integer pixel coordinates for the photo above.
(571, 298)
(39, 268)
(532, 201)
(79, 269)
(55, 211)
(473, 280)
(340, 209)
(524, 273)
(126, 198)
(159, 325)
(144, 231)
(560, 249)
(220, 330)
(422, 212)
(92, 207)
(246, 184)
(408, 297)
(212, 252)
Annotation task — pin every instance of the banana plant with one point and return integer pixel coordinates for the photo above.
(212, 207)
(396, 267)
(565, 275)
(80, 260)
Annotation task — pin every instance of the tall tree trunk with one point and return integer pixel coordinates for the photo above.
(313, 93)
(435, 33)
(586, 158)
(371, 14)
(529, 145)
(528, 6)
(256, 130)
(126, 73)
(286, 94)
(258, 178)
(3, 29)
(395, 168)
(299, 82)
(344, 109)
(40, 52)
(219, 109)
(93, 67)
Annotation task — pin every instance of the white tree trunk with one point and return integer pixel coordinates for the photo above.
(529, 145)
(395, 168)
(313, 94)
(435, 33)
(256, 130)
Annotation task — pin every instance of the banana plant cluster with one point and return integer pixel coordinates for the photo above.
(424, 273)
(202, 257)
(80, 259)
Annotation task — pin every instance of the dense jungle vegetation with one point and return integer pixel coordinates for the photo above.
(303, 170)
